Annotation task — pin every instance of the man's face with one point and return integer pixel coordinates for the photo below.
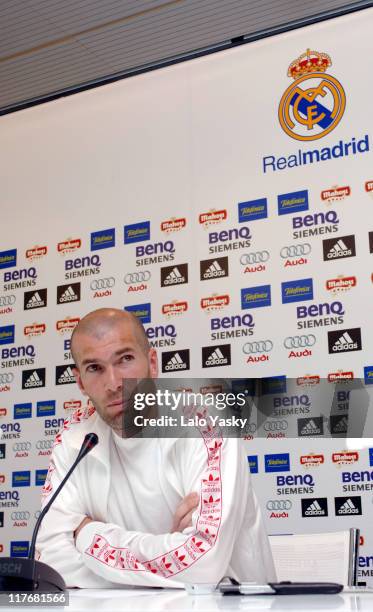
(102, 364)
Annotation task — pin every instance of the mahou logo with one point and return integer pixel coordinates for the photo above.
(69, 245)
(173, 225)
(340, 376)
(174, 308)
(37, 252)
(67, 325)
(335, 193)
(214, 302)
(212, 217)
(309, 380)
(341, 283)
(72, 404)
(311, 460)
(345, 457)
(35, 329)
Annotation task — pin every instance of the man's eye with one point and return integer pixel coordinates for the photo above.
(93, 368)
(127, 357)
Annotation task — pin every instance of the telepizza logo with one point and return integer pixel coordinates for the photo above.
(313, 105)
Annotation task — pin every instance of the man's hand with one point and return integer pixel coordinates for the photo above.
(84, 522)
(184, 511)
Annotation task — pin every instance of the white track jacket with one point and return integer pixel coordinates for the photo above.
(131, 488)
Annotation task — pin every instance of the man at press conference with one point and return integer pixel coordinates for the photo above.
(144, 511)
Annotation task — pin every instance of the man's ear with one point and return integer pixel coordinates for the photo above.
(153, 363)
(78, 380)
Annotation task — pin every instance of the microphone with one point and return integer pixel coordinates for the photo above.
(27, 574)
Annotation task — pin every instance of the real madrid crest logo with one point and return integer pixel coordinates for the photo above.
(314, 104)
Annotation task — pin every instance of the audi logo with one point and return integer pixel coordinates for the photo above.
(137, 277)
(7, 300)
(7, 377)
(44, 444)
(275, 426)
(250, 428)
(20, 516)
(295, 250)
(21, 446)
(278, 504)
(102, 283)
(37, 514)
(299, 341)
(261, 346)
(254, 258)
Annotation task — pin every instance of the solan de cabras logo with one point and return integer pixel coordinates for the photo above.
(314, 104)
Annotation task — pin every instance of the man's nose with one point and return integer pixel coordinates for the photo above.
(113, 379)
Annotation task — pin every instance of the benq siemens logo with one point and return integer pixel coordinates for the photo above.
(214, 356)
(277, 463)
(104, 239)
(7, 333)
(256, 297)
(297, 291)
(68, 293)
(35, 299)
(176, 361)
(32, 379)
(8, 259)
(339, 248)
(289, 203)
(347, 506)
(141, 311)
(344, 340)
(174, 275)
(214, 268)
(252, 210)
(137, 232)
(21, 479)
(314, 506)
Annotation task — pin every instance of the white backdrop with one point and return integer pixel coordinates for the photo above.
(179, 143)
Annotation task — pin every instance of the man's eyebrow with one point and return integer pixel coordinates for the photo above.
(121, 351)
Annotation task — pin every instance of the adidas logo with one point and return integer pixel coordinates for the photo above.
(340, 249)
(314, 509)
(348, 508)
(344, 343)
(35, 301)
(68, 295)
(175, 363)
(174, 277)
(67, 376)
(214, 271)
(310, 429)
(217, 358)
(340, 426)
(33, 380)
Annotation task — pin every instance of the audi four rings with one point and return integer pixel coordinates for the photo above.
(299, 341)
(21, 446)
(254, 258)
(7, 377)
(102, 283)
(7, 300)
(44, 444)
(137, 277)
(278, 504)
(295, 250)
(20, 516)
(260, 346)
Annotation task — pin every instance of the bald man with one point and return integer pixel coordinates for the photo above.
(139, 511)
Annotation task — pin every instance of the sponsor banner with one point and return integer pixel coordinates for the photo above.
(35, 299)
(297, 291)
(256, 297)
(252, 210)
(277, 463)
(289, 203)
(8, 259)
(348, 506)
(68, 293)
(368, 375)
(141, 311)
(212, 217)
(104, 239)
(175, 361)
(137, 232)
(253, 463)
(339, 248)
(215, 356)
(7, 333)
(22, 411)
(33, 379)
(214, 268)
(45, 408)
(314, 507)
(174, 275)
(344, 340)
